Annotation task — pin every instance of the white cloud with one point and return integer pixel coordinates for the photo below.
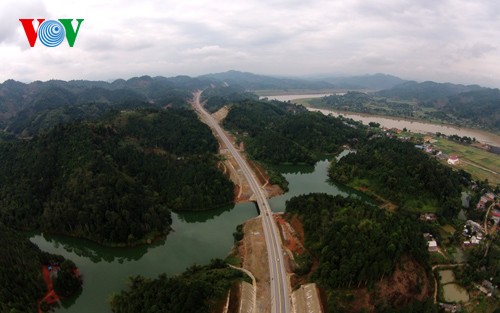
(452, 40)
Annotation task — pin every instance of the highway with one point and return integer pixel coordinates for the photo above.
(280, 299)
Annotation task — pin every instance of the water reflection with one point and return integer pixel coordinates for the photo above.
(294, 169)
(67, 302)
(203, 216)
(93, 251)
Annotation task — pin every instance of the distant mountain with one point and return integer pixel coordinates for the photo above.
(371, 82)
(261, 82)
(425, 91)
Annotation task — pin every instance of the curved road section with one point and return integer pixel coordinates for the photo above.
(280, 298)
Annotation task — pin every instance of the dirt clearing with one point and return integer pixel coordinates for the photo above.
(253, 253)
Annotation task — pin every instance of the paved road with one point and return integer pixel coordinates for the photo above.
(280, 298)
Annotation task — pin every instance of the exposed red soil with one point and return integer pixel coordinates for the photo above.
(289, 235)
(51, 296)
(396, 290)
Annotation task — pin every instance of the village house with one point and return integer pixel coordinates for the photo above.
(487, 197)
(428, 217)
(453, 159)
(431, 242)
(473, 232)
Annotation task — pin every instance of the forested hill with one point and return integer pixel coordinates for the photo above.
(470, 105)
(357, 245)
(200, 289)
(21, 273)
(399, 172)
(114, 180)
(481, 107)
(426, 91)
(27, 108)
(278, 132)
(218, 96)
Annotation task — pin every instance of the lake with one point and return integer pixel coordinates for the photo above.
(197, 238)
(400, 123)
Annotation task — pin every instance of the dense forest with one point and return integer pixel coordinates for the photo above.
(200, 289)
(277, 132)
(400, 173)
(26, 109)
(115, 180)
(21, 273)
(219, 96)
(356, 243)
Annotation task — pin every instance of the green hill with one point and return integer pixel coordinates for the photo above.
(113, 181)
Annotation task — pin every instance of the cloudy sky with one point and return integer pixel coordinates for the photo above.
(440, 40)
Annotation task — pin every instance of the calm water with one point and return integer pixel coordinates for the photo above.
(452, 292)
(455, 293)
(197, 238)
(447, 276)
(411, 125)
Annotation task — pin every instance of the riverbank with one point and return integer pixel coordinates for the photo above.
(414, 125)
(417, 126)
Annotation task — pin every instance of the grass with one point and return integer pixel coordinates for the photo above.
(474, 155)
(482, 304)
(438, 258)
(448, 228)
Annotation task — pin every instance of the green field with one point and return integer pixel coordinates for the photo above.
(478, 158)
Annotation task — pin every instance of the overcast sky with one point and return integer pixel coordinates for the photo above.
(440, 40)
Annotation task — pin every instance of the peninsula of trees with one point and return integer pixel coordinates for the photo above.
(21, 264)
(199, 289)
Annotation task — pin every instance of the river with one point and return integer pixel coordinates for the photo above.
(400, 123)
(197, 238)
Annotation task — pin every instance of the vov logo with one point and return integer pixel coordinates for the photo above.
(51, 33)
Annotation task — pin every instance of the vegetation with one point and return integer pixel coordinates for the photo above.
(399, 172)
(476, 160)
(425, 91)
(472, 106)
(219, 96)
(416, 306)
(482, 265)
(199, 289)
(113, 181)
(356, 243)
(28, 123)
(251, 81)
(26, 109)
(480, 108)
(21, 273)
(277, 132)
